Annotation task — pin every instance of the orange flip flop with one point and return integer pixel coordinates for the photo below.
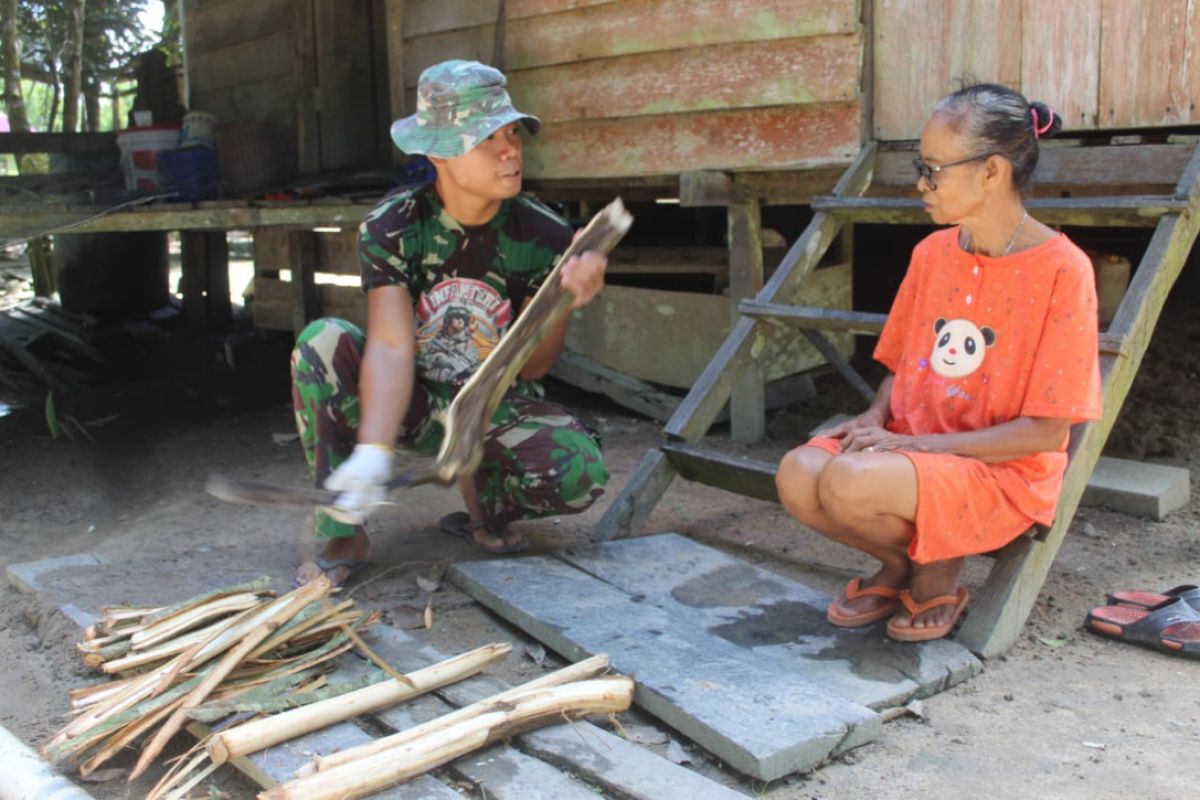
(908, 633)
(854, 591)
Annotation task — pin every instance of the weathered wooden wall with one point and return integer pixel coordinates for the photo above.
(646, 87)
(309, 68)
(1099, 63)
(240, 60)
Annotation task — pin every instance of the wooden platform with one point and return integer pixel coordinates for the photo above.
(738, 659)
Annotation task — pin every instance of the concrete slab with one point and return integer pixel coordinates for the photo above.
(1137, 487)
(26, 577)
(775, 618)
(594, 755)
(761, 719)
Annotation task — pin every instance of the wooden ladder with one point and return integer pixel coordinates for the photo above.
(1001, 607)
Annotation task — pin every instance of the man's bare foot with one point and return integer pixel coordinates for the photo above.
(929, 581)
(341, 557)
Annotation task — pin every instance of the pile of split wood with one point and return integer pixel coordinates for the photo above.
(259, 664)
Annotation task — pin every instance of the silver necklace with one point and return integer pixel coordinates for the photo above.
(969, 244)
(1017, 232)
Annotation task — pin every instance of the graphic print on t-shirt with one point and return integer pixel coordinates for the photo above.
(960, 347)
(458, 321)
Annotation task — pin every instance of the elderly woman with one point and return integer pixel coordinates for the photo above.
(991, 349)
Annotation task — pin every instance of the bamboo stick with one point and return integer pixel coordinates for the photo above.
(186, 620)
(588, 668)
(263, 733)
(314, 614)
(126, 735)
(364, 776)
(276, 614)
(173, 647)
(258, 585)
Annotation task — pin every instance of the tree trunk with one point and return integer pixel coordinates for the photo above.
(10, 60)
(73, 64)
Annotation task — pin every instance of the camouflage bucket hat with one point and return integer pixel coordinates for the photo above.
(459, 104)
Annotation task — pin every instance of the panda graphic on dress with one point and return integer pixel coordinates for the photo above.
(960, 347)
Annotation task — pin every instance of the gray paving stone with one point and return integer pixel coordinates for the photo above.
(83, 619)
(1136, 487)
(776, 618)
(600, 758)
(760, 719)
(25, 577)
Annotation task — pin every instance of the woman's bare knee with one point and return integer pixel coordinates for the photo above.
(843, 489)
(796, 481)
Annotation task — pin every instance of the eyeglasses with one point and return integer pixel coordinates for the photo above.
(926, 171)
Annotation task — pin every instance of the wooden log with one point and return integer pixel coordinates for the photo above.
(263, 733)
(366, 775)
(588, 668)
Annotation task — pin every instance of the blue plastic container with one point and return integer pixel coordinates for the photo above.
(190, 172)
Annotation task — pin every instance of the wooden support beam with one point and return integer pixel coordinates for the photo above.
(1000, 609)
(748, 400)
(393, 11)
(1128, 211)
(17, 221)
(840, 363)
(306, 301)
(628, 391)
(204, 260)
(20, 143)
(304, 72)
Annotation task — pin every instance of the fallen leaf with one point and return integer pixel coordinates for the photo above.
(536, 653)
(407, 617)
(644, 734)
(104, 775)
(429, 615)
(676, 754)
(1052, 642)
(284, 438)
(428, 585)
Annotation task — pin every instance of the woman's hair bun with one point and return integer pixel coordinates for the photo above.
(1045, 122)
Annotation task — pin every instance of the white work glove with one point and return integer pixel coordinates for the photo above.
(360, 480)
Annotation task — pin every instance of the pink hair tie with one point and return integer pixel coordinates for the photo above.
(1039, 131)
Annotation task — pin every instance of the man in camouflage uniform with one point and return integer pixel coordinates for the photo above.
(447, 267)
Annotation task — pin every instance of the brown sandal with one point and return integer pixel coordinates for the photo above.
(853, 591)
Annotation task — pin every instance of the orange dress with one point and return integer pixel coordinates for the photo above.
(973, 342)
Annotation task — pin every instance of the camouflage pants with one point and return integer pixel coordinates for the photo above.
(538, 460)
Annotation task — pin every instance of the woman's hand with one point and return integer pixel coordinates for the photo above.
(871, 418)
(876, 439)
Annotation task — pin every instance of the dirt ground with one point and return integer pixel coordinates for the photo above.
(1064, 714)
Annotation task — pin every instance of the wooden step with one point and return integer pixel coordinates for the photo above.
(826, 319)
(745, 476)
(1117, 211)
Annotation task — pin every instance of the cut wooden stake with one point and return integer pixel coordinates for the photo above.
(364, 776)
(588, 668)
(263, 733)
(193, 617)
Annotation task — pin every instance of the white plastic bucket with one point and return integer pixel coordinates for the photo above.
(139, 147)
(199, 130)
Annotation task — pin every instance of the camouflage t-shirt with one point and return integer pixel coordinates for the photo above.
(467, 282)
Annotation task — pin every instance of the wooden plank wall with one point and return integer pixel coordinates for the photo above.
(658, 87)
(1099, 63)
(240, 60)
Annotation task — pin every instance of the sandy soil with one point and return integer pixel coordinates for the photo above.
(1065, 714)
